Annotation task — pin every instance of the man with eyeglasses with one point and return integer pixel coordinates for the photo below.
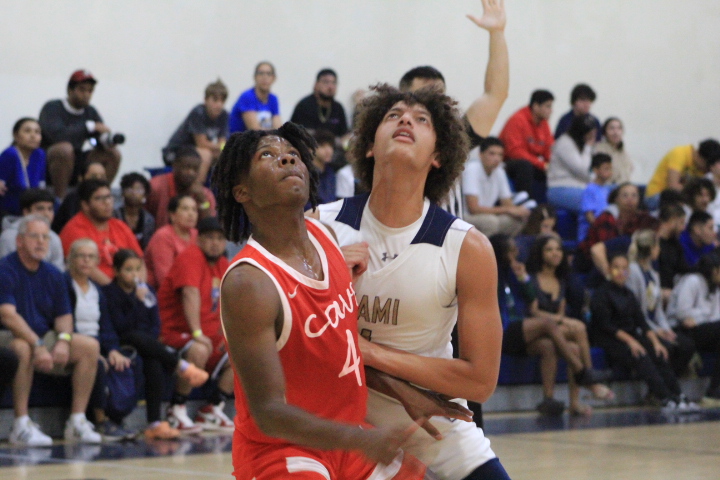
(35, 309)
(257, 108)
(33, 201)
(95, 221)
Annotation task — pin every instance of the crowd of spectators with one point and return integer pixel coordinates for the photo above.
(637, 276)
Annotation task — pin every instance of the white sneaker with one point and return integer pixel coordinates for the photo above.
(212, 417)
(669, 406)
(29, 435)
(178, 418)
(84, 432)
(686, 406)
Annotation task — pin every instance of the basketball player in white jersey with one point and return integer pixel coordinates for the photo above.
(427, 270)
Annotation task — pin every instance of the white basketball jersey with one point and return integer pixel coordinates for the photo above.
(408, 301)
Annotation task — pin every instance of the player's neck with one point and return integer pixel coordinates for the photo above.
(280, 233)
(397, 204)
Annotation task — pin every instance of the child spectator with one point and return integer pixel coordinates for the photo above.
(171, 240)
(135, 320)
(699, 237)
(135, 189)
(613, 144)
(697, 195)
(644, 282)
(22, 165)
(205, 128)
(542, 221)
(594, 197)
(619, 327)
(694, 309)
(549, 268)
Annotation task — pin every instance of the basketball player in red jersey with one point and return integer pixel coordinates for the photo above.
(290, 319)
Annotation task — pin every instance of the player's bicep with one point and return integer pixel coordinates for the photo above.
(479, 324)
(251, 309)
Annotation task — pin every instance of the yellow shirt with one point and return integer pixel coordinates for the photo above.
(679, 159)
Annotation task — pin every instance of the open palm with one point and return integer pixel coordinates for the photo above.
(493, 17)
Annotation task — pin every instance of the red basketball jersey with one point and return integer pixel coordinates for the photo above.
(318, 346)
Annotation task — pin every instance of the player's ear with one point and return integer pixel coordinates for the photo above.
(434, 160)
(370, 153)
(240, 193)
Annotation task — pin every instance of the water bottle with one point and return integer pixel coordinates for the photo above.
(150, 300)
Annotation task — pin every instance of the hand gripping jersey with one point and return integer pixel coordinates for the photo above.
(324, 373)
(407, 300)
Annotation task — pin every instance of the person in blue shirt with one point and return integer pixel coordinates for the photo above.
(257, 108)
(595, 196)
(22, 165)
(581, 99)
(699, 237)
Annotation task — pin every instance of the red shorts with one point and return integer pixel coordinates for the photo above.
(273, 462)
(180, 341)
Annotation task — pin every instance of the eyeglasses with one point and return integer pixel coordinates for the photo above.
(38, 236)
(102, 198)
(86, 256)
(267, 74)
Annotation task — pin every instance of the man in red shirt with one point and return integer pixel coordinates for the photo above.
(95, 221)
(183, 180)
(190, 322)
(528, 143)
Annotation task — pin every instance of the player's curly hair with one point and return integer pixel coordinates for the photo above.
(451, 144)
(234, 164)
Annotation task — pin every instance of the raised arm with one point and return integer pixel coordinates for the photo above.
(484, 110)
(252, 316)
(474, 375)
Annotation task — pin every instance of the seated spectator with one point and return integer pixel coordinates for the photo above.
(257, 108)
(135, 190)
(320, 111)
(698, 238)
(528, 145)
(22, 165)
(677, 166)
(322, 161)
(171, 240)
(35, 309)
(549, 268)
(95, 221)
(205, 128)
(488, 199)
(569, 170)
(714, 176)
(92, 318)
(542, 221)
(526, 335)
(619, 327)
(595, 196)
(581, 99)
(66, 126)
(183, 180)
(671, 261)
(70, 205)
(694, 309)
(620, 220)
(613, 144)
(190, 323)
(135, 321)
(33, 201)
(644, 282)
(698, 194)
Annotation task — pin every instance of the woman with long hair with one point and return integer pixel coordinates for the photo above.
(613, 144)
(22, 165)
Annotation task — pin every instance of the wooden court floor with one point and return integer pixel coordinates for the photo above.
(675, 451)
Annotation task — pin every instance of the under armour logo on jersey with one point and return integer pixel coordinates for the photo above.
(387, 257)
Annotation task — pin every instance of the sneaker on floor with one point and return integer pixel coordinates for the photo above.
(686, 406)
(112, 432)
(669, 406)
(161, 431)
(82, 431)
(178, 418)
(195, 376)
(551, 407)
(212, 417)
(29, 435)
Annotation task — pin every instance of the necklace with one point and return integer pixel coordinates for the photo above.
(309, 268)
(322, 115)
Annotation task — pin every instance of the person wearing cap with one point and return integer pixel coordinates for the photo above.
(188, 300)
(66, 125)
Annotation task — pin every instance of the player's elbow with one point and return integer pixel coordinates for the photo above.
(482, 391)
(267, 419)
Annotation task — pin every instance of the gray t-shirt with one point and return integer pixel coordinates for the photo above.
(198, 122)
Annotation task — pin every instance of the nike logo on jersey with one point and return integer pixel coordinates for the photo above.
(386, 257)
(292, 295)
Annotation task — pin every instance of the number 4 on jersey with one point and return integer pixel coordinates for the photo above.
(352, 361)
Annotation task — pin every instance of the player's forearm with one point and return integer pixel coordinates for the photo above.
(497, 75)
(455, 377)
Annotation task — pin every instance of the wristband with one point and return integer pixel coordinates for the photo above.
(65, 336)
(197, 333)
(205, 205)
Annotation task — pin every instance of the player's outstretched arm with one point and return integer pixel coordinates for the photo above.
(484, 110)
(252, 318)
(474, 375)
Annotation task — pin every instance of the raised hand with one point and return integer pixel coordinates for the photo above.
(493, 17)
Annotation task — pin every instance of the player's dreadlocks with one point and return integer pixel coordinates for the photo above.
(234, 164)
